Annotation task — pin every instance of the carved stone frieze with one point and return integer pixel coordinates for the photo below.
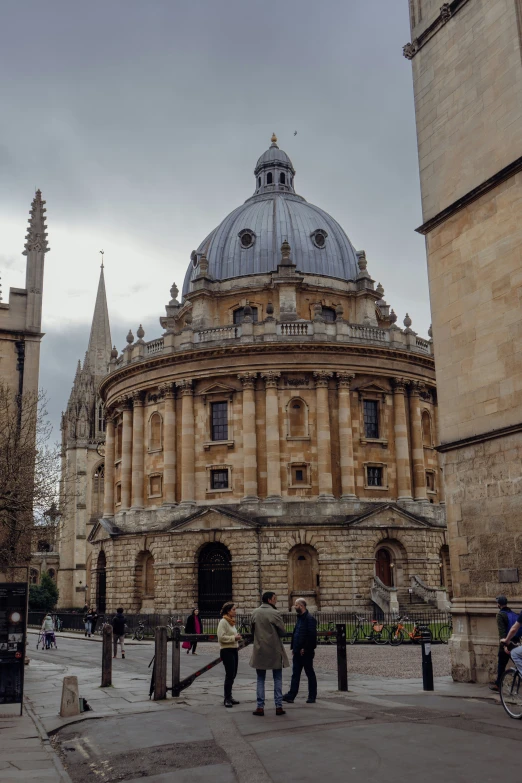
(186, 387)
(271, 378)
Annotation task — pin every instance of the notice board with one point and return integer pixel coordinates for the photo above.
(13, 623)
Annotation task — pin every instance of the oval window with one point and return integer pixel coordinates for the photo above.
(246, 238)
(319, 238)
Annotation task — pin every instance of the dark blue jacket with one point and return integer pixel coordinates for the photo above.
(304, 636)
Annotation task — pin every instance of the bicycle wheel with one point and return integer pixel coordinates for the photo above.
(420, 636)
(138, 634)
(396, 637)
(382, 636)
(445, 633)
(511, 693)
(354, 637)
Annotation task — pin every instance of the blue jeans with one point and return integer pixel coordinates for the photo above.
(278, 687)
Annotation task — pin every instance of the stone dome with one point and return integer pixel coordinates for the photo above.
(248, 240)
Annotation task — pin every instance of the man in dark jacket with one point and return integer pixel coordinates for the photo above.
(118, 632)
(503, 626)
(303, 644)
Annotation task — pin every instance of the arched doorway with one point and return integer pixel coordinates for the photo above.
(303, 575)
(101, 586)
(214, 578)
(383, 566)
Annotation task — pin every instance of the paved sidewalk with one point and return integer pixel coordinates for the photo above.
(79, 635)
(25, 751)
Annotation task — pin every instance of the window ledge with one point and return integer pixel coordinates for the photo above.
(155, 496)
(431, 491)
(154, 451)
(380, 489)
(299, 486)
(382, 441)
(209, 443)
(298, 437)
(117, 461)
(430, 448)
(218, 491)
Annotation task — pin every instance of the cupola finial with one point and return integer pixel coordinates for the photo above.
(273, 139)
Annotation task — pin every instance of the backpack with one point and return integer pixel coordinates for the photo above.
(512, 618)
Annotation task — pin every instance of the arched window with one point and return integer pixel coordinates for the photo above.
(155, 434)
(100, 422)
(214, 578)
(239, 315)
(329, 314)
(34, 576)
(148, 576)
(52, 573)
(297, 411)
(269, 178)
(98, 480)
(44, 546)
(426, 429)
(282, 179)
(259, 182)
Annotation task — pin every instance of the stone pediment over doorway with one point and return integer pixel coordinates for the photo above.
(101, 528)
(213, 518)
(388, 515)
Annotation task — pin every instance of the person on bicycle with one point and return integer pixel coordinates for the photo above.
(516, 653)
(503, 626)
(303, 644)
(118, 632)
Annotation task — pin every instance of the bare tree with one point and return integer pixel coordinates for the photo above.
(29, 476)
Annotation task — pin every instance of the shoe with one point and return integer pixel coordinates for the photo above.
(493, 687)
(288, 699)
(233, 701)
(280, 711)
(259, 711)
(310, 701)
(188, 652)
(123, 655)
(228, 703)
(194, 653)
(114, 656)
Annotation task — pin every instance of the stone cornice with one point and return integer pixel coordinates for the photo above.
(501, 176)
(182, 359)
(447, 11)
(503, 432)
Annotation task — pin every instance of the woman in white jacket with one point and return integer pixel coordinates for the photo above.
(228, 639)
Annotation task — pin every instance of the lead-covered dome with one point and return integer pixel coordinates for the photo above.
(248, 240)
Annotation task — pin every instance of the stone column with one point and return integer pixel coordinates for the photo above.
(248, 379)
(440, 457)
(169, 446)
(345, 436)
(324, 448)
(126, 456)
(108, 483)
(417, 448)
(273, 466)
(137, 451)
(187, 442)
(402, 453)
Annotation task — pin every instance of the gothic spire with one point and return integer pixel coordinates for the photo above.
(36, 237)
(100, 343)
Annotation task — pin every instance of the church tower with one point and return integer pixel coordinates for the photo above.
(466, 57)
(83, 437)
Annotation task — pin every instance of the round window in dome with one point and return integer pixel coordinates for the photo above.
(319, 238)
(246, 238)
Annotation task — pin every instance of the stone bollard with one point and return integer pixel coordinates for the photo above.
(160, 663)
(70, 705)
(106, 680)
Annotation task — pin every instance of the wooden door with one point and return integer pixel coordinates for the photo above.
(383, 567)
(303, 574)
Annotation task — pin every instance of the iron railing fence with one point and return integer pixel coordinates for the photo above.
(326, 621)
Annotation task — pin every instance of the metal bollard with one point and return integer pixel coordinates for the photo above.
(342, 665)
(107, 656)
(427, 663)
(176, 662)
(160, 663)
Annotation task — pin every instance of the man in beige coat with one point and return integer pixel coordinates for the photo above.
(268, 652)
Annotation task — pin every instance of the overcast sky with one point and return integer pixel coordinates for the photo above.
(141, 122)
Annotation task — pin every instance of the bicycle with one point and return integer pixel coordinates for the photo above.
(172, 623)
(327, 627)
(399, 632)
(139, 632)
(511, 693)
(379, 634)
(245, 626)
(446, 631)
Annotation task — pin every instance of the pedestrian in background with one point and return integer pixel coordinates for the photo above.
(193, 625)
(48, 631)
(303, 644)
(87, 619)
(269, 652)
(228, 639)
(118, 632)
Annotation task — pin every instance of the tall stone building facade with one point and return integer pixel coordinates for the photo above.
(83, 437)
(467, 74)
(280, 434)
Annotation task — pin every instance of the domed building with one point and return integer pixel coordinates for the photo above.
(280, 434)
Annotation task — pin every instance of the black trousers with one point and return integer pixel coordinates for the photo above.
(230, 657)
(193, 647)
(503, 660)
(306, 662)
